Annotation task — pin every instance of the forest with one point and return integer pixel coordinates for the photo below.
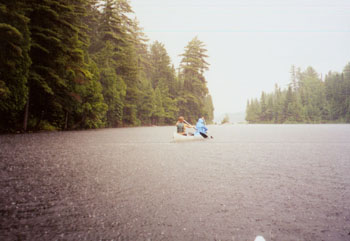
(309, 98)
(83, 64)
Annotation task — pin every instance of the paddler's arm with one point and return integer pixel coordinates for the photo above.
(189, 126)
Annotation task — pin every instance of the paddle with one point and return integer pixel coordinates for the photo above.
(201, 133)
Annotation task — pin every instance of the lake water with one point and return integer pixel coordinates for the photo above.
(284, 182)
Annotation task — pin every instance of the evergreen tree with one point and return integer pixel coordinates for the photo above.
(263, 108)
(253, 111)
(110, 51)
(113, 86)
(288, 110)
(58, 61)
(159, 113)
(293, 77)
(269, 109)
(146, 102)
(86, 64)
(312, 101)
(346, 92)
(92, 109)
(15, 62)
(312, 87)
(208, 109)
(162, 75)
(160, 64)
(193, 65)
(278, 106)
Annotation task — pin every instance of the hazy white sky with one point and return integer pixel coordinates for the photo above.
(251, 43)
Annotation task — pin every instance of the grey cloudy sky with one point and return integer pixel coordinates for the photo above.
(251, 43)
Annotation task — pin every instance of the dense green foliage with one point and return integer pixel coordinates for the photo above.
(193, 90)
(308, 99)
(14, 61)
(86, 64)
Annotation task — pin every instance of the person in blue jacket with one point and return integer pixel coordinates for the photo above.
(200, 127)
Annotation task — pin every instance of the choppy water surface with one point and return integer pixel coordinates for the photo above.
(285, 182)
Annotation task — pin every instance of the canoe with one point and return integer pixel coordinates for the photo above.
(181, 138)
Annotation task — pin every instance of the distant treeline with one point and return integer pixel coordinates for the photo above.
(308, 99)
(86, 64)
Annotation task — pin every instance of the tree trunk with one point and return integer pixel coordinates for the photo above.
(66, 122)
(26, 112)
